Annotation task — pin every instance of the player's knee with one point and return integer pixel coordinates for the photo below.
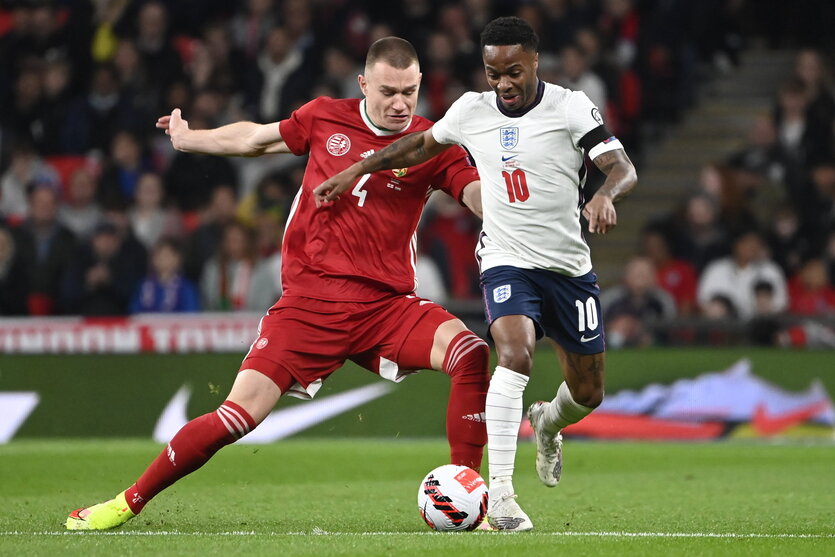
(590, 396)
(467, 359)
(516, 358)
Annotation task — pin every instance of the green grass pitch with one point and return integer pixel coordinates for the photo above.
(358, 497)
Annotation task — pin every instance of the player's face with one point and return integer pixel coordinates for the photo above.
(511, 73)
(390, 94)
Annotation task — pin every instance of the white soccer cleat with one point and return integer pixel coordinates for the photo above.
(505, 514)
(548, 447)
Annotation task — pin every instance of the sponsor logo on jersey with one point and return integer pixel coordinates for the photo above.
(399, 172)
(338, 144)
(509, 137)
(501, 293)
(367, 154)
(596, 115)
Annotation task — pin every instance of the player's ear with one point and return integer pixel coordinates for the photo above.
(363, 84)
(535, 62)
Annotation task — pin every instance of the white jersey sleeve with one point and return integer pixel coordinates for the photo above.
(583, 117)
(448, 129)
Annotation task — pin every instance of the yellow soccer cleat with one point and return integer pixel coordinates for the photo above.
(103, 516)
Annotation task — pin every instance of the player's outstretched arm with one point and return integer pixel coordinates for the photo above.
(407, 151)
(620, 180)
(245, 139)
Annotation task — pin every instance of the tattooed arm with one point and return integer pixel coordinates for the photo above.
(407, 151)
(620, 180)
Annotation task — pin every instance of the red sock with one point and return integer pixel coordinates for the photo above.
(466, 363)
(190, 449)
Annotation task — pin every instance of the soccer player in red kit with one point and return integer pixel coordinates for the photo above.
(347, 272)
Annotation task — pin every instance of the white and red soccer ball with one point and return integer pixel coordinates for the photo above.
(453, 497)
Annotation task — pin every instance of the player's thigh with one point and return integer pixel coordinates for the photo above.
(572, 313)
(513, 308)
(409, 334)
(299, 344)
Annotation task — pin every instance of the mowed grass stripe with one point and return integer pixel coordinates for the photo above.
(408, 534)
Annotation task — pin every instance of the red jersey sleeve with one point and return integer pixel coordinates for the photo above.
(296, 130)
(453, 172)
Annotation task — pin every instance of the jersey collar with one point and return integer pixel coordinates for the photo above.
(374, 127)
(540, 91)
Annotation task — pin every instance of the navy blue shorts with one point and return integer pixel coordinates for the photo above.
(566, 309)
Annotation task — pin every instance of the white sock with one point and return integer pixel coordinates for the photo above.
(504, 413)
(563, 411)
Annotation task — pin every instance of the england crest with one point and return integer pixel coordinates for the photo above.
(501, 293)
(509, 137)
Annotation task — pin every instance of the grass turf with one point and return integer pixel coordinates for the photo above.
(358, 497)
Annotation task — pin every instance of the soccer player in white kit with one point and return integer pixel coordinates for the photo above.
(529, 140)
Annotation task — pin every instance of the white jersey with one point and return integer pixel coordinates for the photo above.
(532, 173)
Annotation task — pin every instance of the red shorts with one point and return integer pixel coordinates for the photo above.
(301, 341)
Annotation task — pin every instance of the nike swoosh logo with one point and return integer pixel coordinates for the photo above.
(16, 407)
(505, 159)
(771, 424)
(279, 423)
(584, 339)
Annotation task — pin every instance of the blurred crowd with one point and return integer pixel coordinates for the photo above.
(755, 238)
(100, 216)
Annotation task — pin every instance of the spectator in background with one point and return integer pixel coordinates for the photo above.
(23, 120)
(736, 276)
(14, 282)
(81, 213)
(205, 240)
(699, 236)
(811, 70)
(57, 94)
(634, 305)
(121, 174)
(786, 240)
(226, 283)
(577, 76)
(819, 216)
(280, 79)
(448, 234)
(153, 40)
(165, 289)
(97, 115)
(676, 276)
(762, 157)
(103, 275)
(810, 292)
(150, 220)
(47, 248)
(251, 26)
(799, 140)
(25, 168)
(191, 179)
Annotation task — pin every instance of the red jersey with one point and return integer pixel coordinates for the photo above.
(361, 247)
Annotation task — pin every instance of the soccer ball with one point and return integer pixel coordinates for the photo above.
(452, 497)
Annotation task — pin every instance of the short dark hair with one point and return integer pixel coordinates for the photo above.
(394, 51)
(510, 30)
